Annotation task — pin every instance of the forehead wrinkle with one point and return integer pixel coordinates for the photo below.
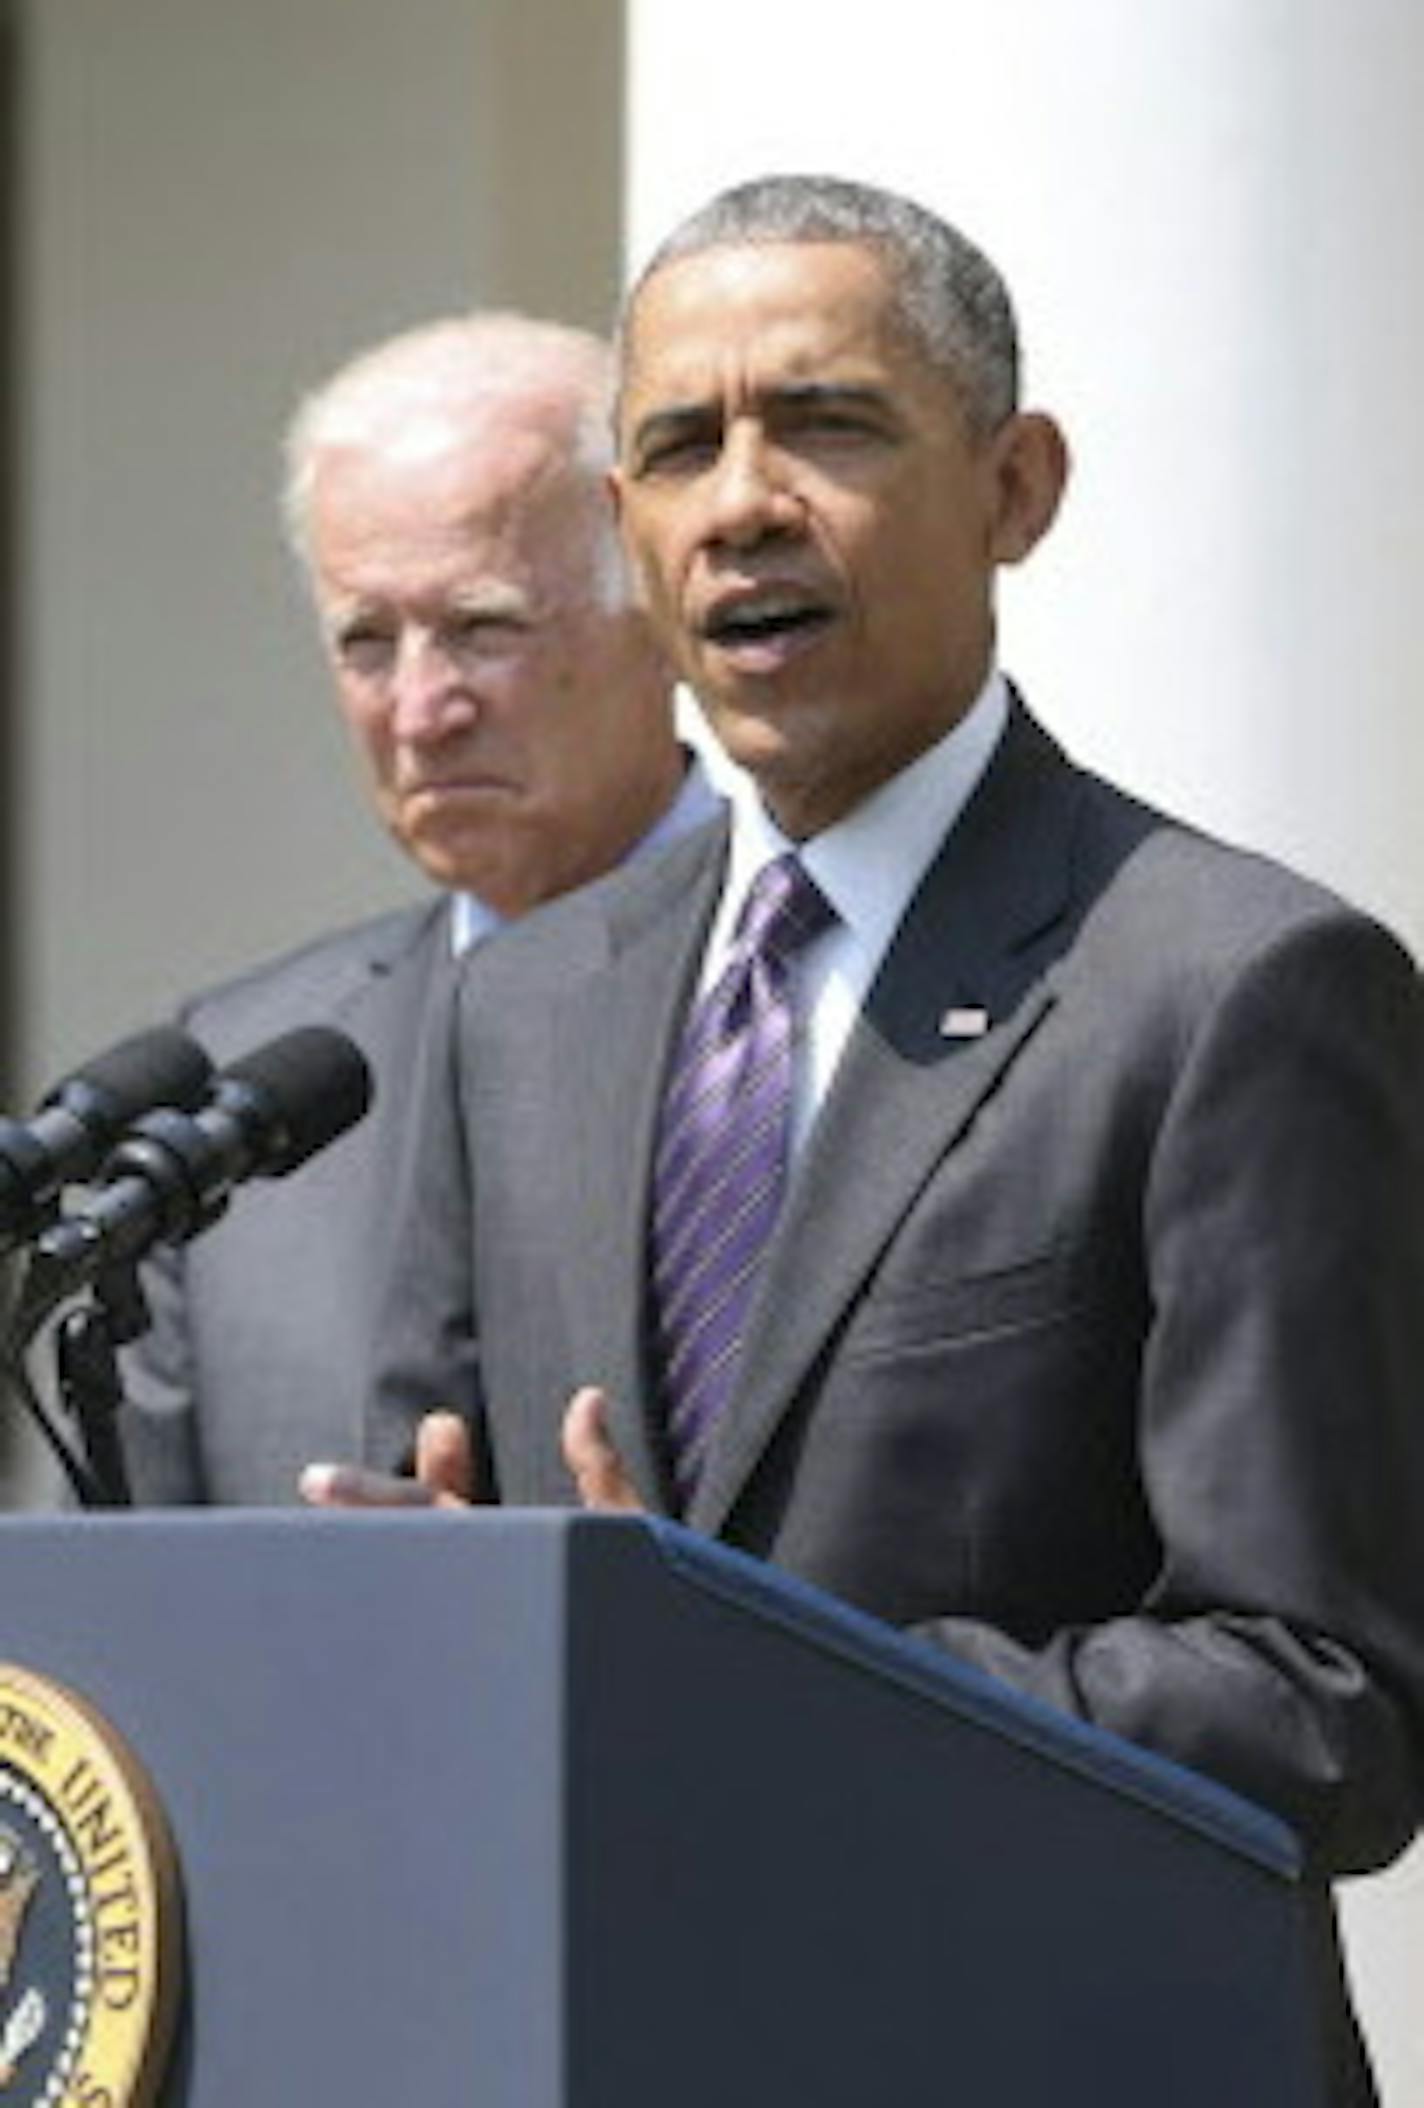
(435, 560)
(489, 594)
(716, 320)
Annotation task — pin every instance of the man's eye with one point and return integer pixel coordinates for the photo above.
(363, 647)
(833, 426)
(480, 631)
(684, 454)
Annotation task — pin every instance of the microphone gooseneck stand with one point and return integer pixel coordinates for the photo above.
(169, 1178)
(87, 1376)
(111, 1311)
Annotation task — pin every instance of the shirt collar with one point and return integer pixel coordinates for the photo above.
(869, 863)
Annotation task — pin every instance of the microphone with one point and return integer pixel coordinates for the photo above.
(174, 1172)
(83, 1116)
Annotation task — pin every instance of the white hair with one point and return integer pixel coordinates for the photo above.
(462, 372)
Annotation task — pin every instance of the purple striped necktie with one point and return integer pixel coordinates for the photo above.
(722, 1156)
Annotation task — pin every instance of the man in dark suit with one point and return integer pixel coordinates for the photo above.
(446, 496)
(1088, 1337)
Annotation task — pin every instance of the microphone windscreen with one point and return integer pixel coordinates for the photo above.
(160, 1067)
(305, 1089)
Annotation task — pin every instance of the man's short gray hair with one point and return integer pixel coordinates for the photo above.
(459, 371)
(951, 298)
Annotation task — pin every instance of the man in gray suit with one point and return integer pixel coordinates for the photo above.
(1087, 1340)
(446, 494)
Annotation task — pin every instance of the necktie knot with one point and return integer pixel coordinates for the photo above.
(784, 909)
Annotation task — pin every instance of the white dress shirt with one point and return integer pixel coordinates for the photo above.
(868, 865)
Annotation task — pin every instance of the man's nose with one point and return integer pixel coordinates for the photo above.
(752, 500)
(429, 697)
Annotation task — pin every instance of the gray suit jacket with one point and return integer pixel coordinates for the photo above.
(1093, 1347)
(258, 1358)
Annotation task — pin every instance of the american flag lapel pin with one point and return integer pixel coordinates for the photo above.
(964, 1021)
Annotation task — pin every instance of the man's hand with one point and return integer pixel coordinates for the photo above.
(444, 1474)
(445, 1470)
(590, 1455)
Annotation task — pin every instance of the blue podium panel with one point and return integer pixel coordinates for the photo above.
(556, 1811)
(355, 1725)
(864, 1875)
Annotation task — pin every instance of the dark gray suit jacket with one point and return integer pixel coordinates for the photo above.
(258, 1360)
(1093, 1347)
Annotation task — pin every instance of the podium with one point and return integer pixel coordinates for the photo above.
(538, 1810)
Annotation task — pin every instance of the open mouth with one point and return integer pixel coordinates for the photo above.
(765, 620)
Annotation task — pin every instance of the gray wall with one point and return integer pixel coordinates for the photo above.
(213, 204)
(218, 203)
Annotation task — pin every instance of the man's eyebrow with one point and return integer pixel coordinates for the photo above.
(494, 600)
(678, 420)
(340, 614)
(835, 394)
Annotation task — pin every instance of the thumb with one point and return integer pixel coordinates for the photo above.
(594, 1463)
(445, 1460)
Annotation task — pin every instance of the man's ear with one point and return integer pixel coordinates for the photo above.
(1029, 462)
(614, 483)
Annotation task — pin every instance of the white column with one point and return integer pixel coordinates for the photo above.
(1210, 214)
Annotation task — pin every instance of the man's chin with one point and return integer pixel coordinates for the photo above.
(456, 865)
(509, 877)
(762, 735)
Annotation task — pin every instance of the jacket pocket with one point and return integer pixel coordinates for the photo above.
(1029, 1293)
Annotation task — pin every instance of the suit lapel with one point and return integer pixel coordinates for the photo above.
(976, 937)
(387, 1006)
(622, 1020)
(401, 961)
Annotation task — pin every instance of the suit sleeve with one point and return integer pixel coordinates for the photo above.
(1281, 1430)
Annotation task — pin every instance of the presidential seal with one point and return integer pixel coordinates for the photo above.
(89, 1910)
